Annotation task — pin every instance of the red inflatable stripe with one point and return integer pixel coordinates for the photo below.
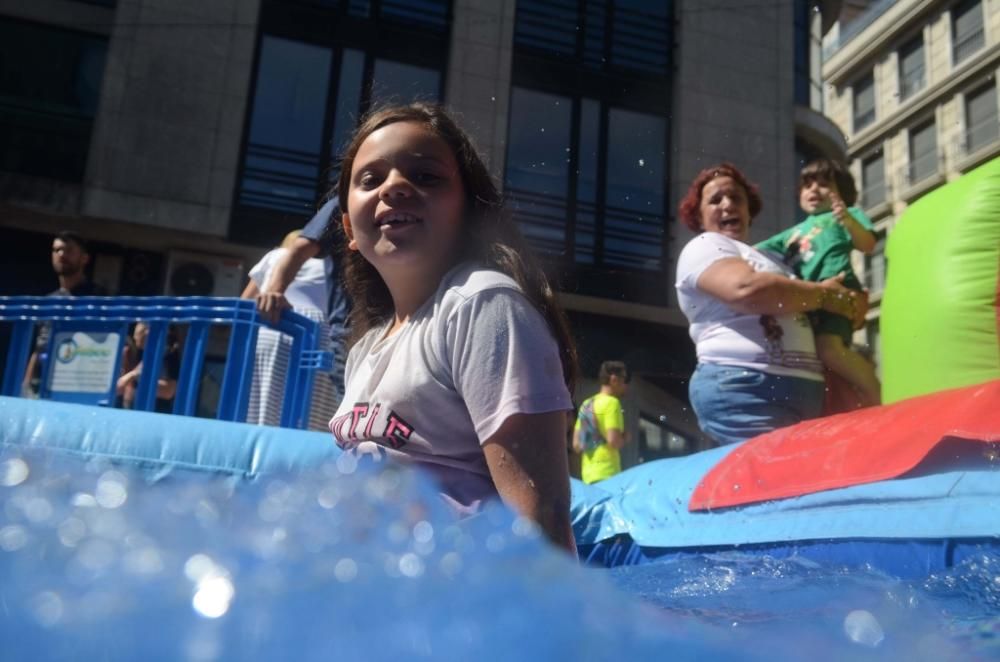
(864, 446)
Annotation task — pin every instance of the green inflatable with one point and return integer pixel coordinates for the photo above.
(940, 320)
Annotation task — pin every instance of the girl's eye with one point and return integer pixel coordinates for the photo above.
(426, 177)
(367, 180)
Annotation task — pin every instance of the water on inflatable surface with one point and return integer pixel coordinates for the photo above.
(347, 562)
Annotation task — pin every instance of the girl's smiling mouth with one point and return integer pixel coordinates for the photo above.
(395, 219)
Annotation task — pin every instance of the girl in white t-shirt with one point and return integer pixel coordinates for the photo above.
(461, 360)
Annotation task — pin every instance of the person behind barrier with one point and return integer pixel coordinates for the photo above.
(307, 294)
(820, 247)
(461, 361)
(70, 257)
(318, 239)
(757, 365)
(131, 370)
(599, 433)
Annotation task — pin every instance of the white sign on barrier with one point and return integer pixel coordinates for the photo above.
(84, 362)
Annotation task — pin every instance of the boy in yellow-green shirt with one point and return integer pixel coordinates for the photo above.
(599, 432)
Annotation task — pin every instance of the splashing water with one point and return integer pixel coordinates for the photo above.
(366, 562)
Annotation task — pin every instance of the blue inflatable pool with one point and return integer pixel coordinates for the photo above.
(132, 535)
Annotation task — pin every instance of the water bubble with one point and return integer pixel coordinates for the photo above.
(345, 571)
(13, 538)
(111, 490)
(213, 596)
(423, 531)
(863, 628)
(47, 608)
(13, 472)
(524, 527)
(71, 531)
(38, 510)
(451, 564)
(410, 565)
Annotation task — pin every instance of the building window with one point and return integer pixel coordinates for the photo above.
(320, 65)
(50, 82)
(658, 440)
(875, 267)
(923, 152)
(911, 67)
(982, 126)
(874, 341)
(808, 87)
(966, 29)
(598, 34)
(873, 181)
(864, 102)
(587, 142)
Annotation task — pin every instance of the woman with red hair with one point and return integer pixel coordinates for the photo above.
(757, 365)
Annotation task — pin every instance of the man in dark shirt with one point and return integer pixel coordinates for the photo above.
(70, 257)
(317, 239)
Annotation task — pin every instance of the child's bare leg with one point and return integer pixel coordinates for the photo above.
(851, 366)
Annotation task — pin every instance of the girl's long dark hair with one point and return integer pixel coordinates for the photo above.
(489, 237)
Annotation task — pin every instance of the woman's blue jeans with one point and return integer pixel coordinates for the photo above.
(734, 404)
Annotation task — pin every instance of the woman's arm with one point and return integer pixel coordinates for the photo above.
(250, 291)
(527, 460)
(271, 297)
(734, 282)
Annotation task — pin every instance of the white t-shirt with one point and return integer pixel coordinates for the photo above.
(308, 290)
(776, 344)
(473, 355)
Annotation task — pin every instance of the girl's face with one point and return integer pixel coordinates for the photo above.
(725, 208)
(405, 201)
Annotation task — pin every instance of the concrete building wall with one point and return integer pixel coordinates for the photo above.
(166, 142)
(479, 73)
(733, 98)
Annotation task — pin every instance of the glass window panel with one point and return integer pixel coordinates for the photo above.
(50, 82)
(923, 152)
(395, 82)
(586, 186)
(586, 181)
(911, 67)
(348, 102)
(967, 29)
(875, 344)
(547, 25)
(864, 102)
(286, 125)
(537, 177)
(633, 217)
(981, 121)
(428, 13)
(641, 35)
(873, 181)
(875, 267)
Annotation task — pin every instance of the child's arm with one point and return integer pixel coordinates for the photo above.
(862, 238)
(527, 461)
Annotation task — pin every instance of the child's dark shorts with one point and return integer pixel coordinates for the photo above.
(824, 322)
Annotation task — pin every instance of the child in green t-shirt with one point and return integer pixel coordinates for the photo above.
(819, 248)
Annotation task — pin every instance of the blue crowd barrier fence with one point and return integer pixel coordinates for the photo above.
(87, 373)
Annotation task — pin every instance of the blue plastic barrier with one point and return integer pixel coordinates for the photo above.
(112, 314)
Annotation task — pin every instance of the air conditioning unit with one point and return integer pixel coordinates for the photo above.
(200, 275)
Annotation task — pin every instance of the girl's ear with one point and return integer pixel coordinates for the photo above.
(351, 243)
